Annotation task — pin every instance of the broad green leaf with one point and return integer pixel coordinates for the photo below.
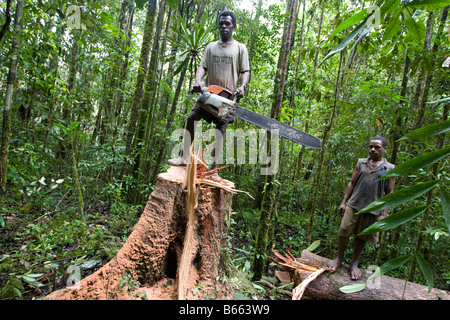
(416, 28)
(393, 26)
(313, 246)
(74, 125)
(389, 6)
(362, 36)
(352, 288)
(429, 5)
(357, 17)
(425, 270)
(166, 88)
(441, 100)
(183, 64)
(395, 220)
(428, 131)
(401, 196)
(417, 163)
(341, 46)
(394, 263)
(445, 204)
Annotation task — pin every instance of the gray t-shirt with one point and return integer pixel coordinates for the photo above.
(224, 64)
(367, 189)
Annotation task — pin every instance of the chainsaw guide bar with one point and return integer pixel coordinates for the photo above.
(220, 102)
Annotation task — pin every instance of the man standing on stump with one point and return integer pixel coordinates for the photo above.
(363, 189)
(226, 63)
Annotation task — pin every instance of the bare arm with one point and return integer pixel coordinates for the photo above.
(244, 80)
(388, 189)
(200, 74)
(349, 190)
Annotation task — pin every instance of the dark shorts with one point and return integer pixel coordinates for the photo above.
(353, 223)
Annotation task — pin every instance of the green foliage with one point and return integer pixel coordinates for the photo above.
(192, 43)
(79, 86)
(395, 220)
(399, 197)
(428, 4)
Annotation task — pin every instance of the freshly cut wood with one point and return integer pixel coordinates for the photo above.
(147, 266)
(298, 291)
(326, 285)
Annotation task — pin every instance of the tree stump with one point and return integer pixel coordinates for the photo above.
(326, 286)
(147, 264)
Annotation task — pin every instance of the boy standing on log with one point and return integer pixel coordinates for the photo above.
(225, 62)
(362, 190)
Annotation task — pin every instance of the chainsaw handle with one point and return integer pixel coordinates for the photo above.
(235, 96)
(197, 89)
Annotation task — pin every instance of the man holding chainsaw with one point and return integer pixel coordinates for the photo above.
(225, 63)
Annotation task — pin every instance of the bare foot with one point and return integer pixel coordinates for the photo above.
(355, 272)
(335, 264)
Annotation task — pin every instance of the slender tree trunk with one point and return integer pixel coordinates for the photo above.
(318, 175)
(149, 100)
(105, 114)
(266, 212)
(398, 114)
(10, 81)
(308, 111)
(73, 70)
(254, 31)
(131, 130)
(421, 73)
(429, 77)
(7, 20)
(123, 73)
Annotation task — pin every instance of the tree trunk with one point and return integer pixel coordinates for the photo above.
(426, 90)
(149, 99)
(7, 20)
(131, 130)
(151, 257)
(326, 286)
(318, 175)
(105, 115)
(11, 80)
(308, 111)
(398, 109)
(265, 219)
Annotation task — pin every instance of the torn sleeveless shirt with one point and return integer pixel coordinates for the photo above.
(367, 189)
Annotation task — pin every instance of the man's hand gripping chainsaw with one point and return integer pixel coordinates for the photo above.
(218, 101)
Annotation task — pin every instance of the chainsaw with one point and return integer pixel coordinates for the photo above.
(222, 104)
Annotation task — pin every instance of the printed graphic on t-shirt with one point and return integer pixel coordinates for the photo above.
(223, 59)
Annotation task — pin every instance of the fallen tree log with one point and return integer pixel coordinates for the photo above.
(147, 266)
(326, 285)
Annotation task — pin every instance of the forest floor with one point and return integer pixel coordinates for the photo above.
(38, 251)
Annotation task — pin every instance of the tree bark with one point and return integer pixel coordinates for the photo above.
(10, 81)
(398, 114)
(326, 286)
(318, 175)
(429, 77)
(140, 80)
(152, 254)
(7, 20)
(266, 212)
